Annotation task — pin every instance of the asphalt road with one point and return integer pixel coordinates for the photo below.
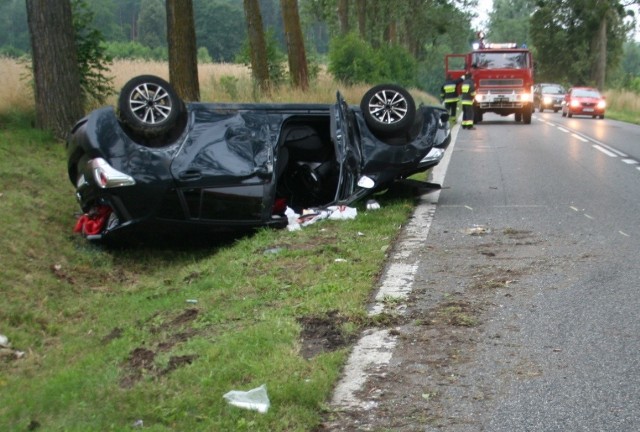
(522, 311)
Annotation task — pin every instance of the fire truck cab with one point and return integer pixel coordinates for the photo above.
(503, 77)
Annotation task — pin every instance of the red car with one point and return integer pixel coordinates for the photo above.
(583, 101)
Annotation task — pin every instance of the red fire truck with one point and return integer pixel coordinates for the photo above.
(503, 76)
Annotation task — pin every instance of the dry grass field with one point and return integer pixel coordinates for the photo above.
(222, 82)
(218, 83)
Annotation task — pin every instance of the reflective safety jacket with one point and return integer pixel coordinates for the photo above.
(468, 91)
(449, 91)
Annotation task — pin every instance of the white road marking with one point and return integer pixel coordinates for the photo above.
(604, 150)
(561, 129)
(374, 350)
(624, 233)
(630, 161)
(575, 135)
(372, 353)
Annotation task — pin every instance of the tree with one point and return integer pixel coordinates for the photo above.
(343, 16)
(578, 41)
(183, 57)
(220, 28)
(56, 77)
(298, 68)
(257, 45)
(509, 20)
(152, 24)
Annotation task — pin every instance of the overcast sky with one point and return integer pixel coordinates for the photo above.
(484, 7)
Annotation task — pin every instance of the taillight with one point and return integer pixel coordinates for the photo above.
(106, 176)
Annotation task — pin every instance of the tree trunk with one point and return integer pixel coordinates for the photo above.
(183, 55)
(295, 44)
(600, 50)
(361, 10)
(343, 16)
(257, 45)
(58, 96)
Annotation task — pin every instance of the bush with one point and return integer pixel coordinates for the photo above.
(93, 61)
(276, 59)
(135, 51)
(353, 61)
(396, 64)
(203, 56)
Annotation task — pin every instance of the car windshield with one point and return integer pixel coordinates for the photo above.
(586, 93)
(500, 60)
(552, 89)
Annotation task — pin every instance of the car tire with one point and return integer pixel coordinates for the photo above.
(518, 117)
(388, 110)
(569, 114)
(149, 106)
(601, 117)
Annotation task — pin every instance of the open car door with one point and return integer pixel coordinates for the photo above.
(351, 186)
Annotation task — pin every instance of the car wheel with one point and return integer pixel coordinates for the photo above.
(518, 117)
(601, 117)
(555, 110)
(569, 114)
(388, 109)
(149, 106)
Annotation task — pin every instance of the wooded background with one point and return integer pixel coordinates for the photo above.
(574, 41)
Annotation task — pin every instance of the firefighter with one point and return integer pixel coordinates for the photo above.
(468, 93)
(449, 94)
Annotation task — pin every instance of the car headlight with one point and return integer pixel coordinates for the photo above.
(547, 100)
(602, 104)
(574, 103)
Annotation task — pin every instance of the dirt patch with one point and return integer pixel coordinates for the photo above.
(323, 334)
(141, 361)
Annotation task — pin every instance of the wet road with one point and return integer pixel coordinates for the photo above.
(522, 311)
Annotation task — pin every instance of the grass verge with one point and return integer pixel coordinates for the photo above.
(108, 339)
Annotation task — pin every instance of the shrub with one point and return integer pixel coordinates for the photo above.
(276, 59)
(135, 51)
(93, 60)
(396, 64)
(352, 60)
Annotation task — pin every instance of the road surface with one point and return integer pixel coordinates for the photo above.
(517, 287)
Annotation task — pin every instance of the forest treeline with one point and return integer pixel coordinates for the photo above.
(574, 41)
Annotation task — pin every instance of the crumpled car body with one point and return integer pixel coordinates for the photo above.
(227, 167)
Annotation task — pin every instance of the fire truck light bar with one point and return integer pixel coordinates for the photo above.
(501, 45)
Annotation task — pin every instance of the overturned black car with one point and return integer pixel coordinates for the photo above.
(157, 162)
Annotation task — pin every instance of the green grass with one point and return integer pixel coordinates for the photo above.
(114, 336)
